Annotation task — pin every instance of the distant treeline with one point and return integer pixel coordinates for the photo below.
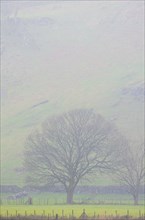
(79, 189)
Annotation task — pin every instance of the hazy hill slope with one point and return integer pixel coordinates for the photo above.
(63, 56)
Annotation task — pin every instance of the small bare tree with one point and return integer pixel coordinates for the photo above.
(69, 147)
(132, 170)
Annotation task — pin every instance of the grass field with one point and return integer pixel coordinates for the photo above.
(54, 203)
(44, 198)
(66, 210)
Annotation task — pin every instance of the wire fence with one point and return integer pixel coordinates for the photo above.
(71, 216)
(48, 218)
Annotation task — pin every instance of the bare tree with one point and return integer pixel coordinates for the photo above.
(69, 147)
(132, 170)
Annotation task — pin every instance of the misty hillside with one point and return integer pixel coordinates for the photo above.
(63, 56)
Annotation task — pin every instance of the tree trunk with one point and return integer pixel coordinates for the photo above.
(70, 196)
(135, 197)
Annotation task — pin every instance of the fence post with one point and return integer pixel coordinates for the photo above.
(72, 213)
(16, 213)
(7, 214)
(34, 213)
(83, 215)
(56, 217)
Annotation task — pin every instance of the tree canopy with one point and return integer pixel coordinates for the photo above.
(70, 147)
(131, 171)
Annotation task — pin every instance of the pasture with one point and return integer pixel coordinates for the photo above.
(67, 210)
(50, 204)
(47, 198)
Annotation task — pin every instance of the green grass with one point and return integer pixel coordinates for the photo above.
(45, 198)
(78, 209)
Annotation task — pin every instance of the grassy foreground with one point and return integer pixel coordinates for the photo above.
(66, 210)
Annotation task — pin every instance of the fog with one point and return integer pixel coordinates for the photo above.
(65, 55)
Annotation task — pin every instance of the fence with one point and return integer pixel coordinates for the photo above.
(71, 216)
(47, 218)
